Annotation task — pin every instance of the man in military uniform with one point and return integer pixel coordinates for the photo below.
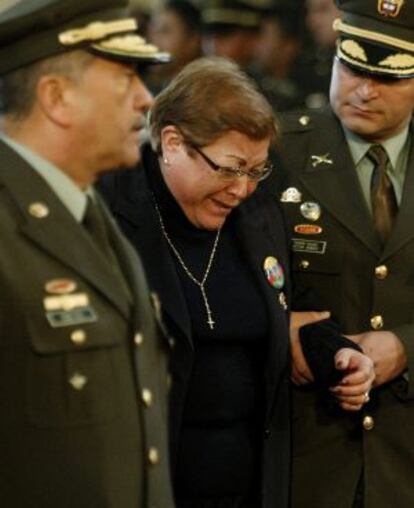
(233, 29)
(82, 374)
(347, 196)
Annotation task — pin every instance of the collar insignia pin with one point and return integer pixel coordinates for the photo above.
(321, 159)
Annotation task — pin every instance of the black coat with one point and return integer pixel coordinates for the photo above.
(345, 266)
(73, 431)
(261, 233)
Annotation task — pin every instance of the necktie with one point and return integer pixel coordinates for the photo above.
(94, 222)
(383, 201)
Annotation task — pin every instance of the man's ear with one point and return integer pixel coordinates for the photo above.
(54, 98)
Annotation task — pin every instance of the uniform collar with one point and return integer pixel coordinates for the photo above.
(73, 198)
(393, 146)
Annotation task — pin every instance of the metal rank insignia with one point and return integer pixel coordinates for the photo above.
(63, 309)
(310, 210)
(274, 272)
(291, 195)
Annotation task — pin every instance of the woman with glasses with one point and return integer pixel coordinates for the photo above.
(213, 244)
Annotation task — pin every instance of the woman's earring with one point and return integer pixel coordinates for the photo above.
(166, 161)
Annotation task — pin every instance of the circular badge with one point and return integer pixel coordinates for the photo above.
(310, 210)
(274, 272)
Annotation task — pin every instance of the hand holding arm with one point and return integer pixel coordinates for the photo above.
(386, 351)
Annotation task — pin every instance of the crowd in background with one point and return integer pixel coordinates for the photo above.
(286, 47)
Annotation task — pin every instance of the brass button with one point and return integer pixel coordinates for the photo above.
(78, 381)
(39, 210)
(138, 339)
(153, 456)
(146, 396)
(304, 264)
(377, 322)
(381, 272)
(368, 422)
(304, 120)
(78, 337)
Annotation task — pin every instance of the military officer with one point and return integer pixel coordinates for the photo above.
(347, 196)
(82, 370)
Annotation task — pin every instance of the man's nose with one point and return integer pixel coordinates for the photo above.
(143, 98)
(367, 89)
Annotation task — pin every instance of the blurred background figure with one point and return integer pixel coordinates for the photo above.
(314, 67)
(279, 45)
(176, 28)
(232, 28)
(142, 12)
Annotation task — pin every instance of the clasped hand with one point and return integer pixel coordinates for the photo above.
(358, 368)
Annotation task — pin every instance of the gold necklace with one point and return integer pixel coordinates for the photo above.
(200, 284)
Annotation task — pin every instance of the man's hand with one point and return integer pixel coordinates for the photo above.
(353, 391)
(301, 373)
(386, 351)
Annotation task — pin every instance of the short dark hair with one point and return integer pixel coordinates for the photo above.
(18, 88)
(208, 98)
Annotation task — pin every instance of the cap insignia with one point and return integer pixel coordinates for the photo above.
(390, 8)
(398, 61)
(355, 50)
(127, 44)
(97, 31)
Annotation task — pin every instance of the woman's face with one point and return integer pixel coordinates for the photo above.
(203, 195)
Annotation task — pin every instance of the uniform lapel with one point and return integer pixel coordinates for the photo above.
(139, 212)
(403, 230)
(336, 184)
(258, 241)
(58, 234)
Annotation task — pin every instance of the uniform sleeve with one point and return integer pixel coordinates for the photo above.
(404, 387)
(320, 343)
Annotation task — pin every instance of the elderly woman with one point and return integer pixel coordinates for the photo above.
(215, 251)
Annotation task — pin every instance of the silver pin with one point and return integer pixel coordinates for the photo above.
(321, 159)
(291, 195)
(310, 210)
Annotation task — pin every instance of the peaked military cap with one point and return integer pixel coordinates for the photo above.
(233, 13)
(377, 36)
(32, 30)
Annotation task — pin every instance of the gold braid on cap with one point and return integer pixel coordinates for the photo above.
(126, 44)
(398, 61)
(340, 26)
(352, 48)
(403, 71)
(96, 31)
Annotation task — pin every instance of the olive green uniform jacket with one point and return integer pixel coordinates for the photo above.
(74, 431)
(365, 288)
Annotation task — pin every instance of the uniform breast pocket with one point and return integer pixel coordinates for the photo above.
(322, 271)
(77, 376)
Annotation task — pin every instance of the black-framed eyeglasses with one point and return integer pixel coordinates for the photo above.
(254, 174)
